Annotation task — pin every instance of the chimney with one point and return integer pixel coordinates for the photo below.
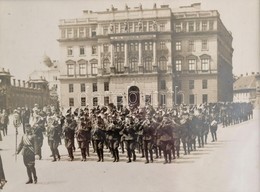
(19, 83)
(23, 83)
(14, 82)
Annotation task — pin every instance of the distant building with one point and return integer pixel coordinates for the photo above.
(160, 56)
(51, 75)
(20, 93)
(247, 89)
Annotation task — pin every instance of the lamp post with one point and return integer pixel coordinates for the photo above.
(175, 94)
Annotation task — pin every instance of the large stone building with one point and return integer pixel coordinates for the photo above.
(16, 93)
(137, 56)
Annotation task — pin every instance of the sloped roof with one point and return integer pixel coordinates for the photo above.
(245, 82)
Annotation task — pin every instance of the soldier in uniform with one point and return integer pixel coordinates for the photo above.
(213, 128)
(184, 132)
(27, 145)
(129, 136)
(98, 136)
(38, 129)
(54, 133)
(165, 137)
(81, 135)
(69, 132)
(148, 140)
(25, 117)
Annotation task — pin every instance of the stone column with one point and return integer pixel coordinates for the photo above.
(155, 65)
(112, 66)
(140, 63)
(126, 67)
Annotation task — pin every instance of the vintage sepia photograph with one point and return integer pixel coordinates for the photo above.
(129, 96)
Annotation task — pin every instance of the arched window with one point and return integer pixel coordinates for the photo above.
(133, 65)
(163, 63)
(148, 64)
(106, 65)
(119, 65)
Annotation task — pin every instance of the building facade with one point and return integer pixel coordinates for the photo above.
(139, 56)
(21, 93)
(247, 89)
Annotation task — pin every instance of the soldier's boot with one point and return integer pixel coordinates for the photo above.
(71, 154)
(58, 154)
(173, 153)
(102, 155)
(215, 136)
(165, 157)
(206, 138)
(87, 150)
(178, 151)
(146, 156)
(33, 171)
(99, 155)
(185, 148)
(156, 152)
(151, 155)
(117, 155)
(194, 143)
(122, 147)
(129, 155)
(199, 140)
(134, 156)
(170, 157)
(29, 173)
(114, 155)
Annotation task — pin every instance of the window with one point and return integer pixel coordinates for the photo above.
(178, 64)
(204, 25)
(81, 32)
(133, 47)
(95, 101)
(87, 32)
(163, 85)
(150, 25)
(106, 86)
(94, 50)
(204, 64)
(178, 27)
(191, 84)
(178, 46)
(71, 88)
(69, 33)
(148, 99)
(184, 26)
(83, 101)
(93, 33)
(198, 26)
(163, 64)
(105, 30)
(162, 100)
(191, 45)
(106, 101)
(70, 51)
(94, 87)
(130, 27)
(162, 27)
(70, 69)
(204, 45)
(75, 33)
(191, 26)
(105, 48)
(148, 46)
(204, 98)
(192, 99)
(211, 25)
(162, 45)
(82, 69)
(106, 65)
(119, 47)
(116, 28)
(133, 65)
(119, 102)
(71, 102)
(148, 64)
(82, 87)
(81, 50)
(192, 65)
(204, 84)
(119, 65)
(63, 33)
(94, 69)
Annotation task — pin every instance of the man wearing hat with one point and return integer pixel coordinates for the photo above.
(54, 134)
(81, 135)
(27, 145)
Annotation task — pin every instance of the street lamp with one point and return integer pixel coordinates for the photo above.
(175, 94)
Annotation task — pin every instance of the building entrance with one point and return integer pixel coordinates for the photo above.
(133, 96)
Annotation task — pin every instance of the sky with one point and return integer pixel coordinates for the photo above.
(29, 29)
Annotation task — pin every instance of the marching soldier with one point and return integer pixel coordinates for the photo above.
(165, 137)
(69, 132)
(27, 145)
(54, 133)
(98, 136)
(81, 135)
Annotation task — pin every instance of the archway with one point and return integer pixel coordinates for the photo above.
(134, 96)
